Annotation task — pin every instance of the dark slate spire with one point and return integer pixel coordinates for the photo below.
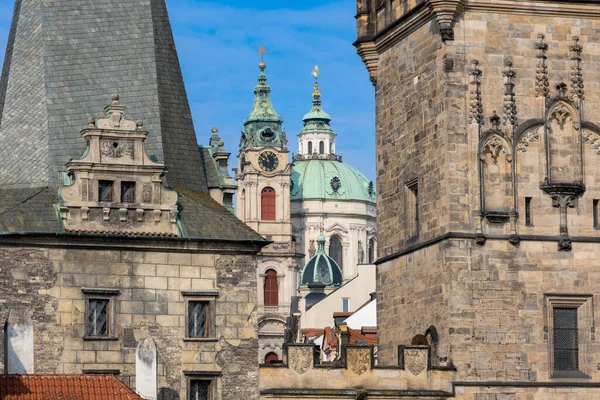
(63, 60)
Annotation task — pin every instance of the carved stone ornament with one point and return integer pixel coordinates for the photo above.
(116, 148)
(476, 111)
(593, 139)
(300, 358)
(542, 82)
(494, 146)
(415, 360)
(335, 183)
(358, 360)
(530, 136)
(564, 196)
(560, 114)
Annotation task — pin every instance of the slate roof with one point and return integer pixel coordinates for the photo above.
(64, 59)
(64, 387)
(211, 170)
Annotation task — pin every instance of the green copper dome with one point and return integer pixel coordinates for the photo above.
(329, 179)
(321, 268)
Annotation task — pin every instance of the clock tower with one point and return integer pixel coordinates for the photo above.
(263, 203)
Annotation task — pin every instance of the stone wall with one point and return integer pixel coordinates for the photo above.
(150, 304)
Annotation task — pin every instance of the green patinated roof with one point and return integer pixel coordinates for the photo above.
(321, 268)
(316, 179)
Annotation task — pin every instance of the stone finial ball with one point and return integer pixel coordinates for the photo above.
(139, 123)
(115, 98)
(91, 121)
(214, 129)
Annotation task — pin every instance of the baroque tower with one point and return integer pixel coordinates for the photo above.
(487, 157)
(263, 203)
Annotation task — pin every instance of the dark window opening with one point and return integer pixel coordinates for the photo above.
(198, 319)
(200, 390)
(345, 304)
(97, 324)
(371, 251)
(127, 192)
(268, 204)
(105, 191)
(321, 147)
(528, 220)
(566, 346)
(412, 207)
(336, 250)
(271, 358)
(271, 288)
(595, 212)
(309, 147)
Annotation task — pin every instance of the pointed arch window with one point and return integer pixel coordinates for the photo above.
(271, 288)
(335, 250)
(309, 147)
(268, 204)
(321, 147)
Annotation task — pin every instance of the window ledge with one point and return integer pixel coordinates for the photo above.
(569, 375)
(200, 293)
(101, 338)
(203, 339)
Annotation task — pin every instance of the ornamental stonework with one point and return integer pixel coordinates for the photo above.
(300, 358)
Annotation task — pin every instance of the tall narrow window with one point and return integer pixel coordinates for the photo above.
(566, 345)
(528, 220)
(335, 250)
(321, 147)
(105, 191)
(371, 251)
(268, 204)
(97, 324)
(345, 304)
(412, 207)
(200, 389)
(595, 212)
(198, 314)
(127, 192)
(271, 288)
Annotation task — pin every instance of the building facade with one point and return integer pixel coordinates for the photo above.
(487, 162)
(110, 241)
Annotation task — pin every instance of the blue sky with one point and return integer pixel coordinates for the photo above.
(217, 44)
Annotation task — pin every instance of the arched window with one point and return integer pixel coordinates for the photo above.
(270, 358)
(335, 250)
(242, 205)
(268, 204)
(321, 147)
(371, 251)
(271, 288)
(309, 147)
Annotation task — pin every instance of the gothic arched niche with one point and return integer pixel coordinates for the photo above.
(496, 172)
(564, 143)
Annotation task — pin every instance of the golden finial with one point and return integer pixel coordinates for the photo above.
(316, 73)
(262, 50)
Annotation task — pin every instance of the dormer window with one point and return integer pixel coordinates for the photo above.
(105, 191)
(127, 192)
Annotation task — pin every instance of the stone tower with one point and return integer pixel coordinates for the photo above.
(488, 193)
(263, 203)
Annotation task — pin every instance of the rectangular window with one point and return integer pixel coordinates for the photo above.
(595, 212)
(127, 192)
(98, 317)
(565, 339)
(200, 389)
(105, 191)
(528, 220)
(198, 316)
(412, 207)
(345, 304)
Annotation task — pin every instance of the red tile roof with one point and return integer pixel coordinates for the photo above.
(311, 332)
(342, 314)
(64, 387)
(355, 335)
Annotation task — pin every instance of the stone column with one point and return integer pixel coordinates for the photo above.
(145, 369)
(18, 343)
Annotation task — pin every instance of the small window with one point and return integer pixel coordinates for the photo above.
(595, 212)
(566, 346)
(271, 288)
(271, 358)
(309, 147)
(321, 147)
(105, 191)
(528, 220)
(345, 304)
(198, 319)
(98, 314)
(200, 389)
(412, 207)
(127, 192)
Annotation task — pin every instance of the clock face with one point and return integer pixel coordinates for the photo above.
(268, 161)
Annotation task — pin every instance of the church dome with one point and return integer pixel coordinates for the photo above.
(329, 179)
(321, 268)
